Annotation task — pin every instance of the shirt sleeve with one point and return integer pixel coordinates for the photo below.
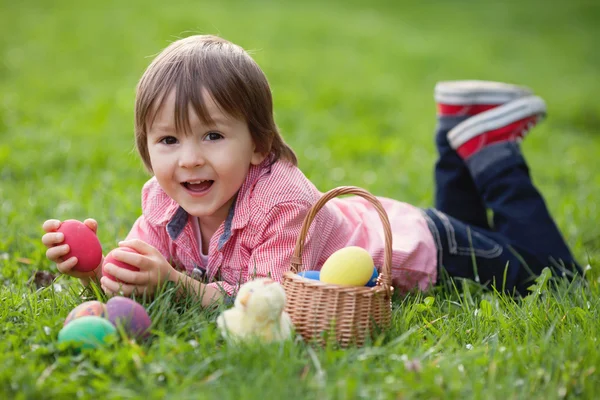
(272, 255)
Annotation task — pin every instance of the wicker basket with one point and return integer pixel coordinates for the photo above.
(322, 311)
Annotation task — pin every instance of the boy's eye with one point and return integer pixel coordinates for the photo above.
(168, 140)
(213, 136)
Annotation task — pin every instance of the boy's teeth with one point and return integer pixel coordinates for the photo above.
(199, 185)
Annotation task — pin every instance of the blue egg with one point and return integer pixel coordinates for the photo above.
(315, 275)
(373, 280)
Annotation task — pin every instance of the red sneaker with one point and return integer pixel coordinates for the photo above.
(510, 121)
(467, 98)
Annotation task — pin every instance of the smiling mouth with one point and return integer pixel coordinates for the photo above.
(198, 186)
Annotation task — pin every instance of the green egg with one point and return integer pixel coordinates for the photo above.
(86, 332)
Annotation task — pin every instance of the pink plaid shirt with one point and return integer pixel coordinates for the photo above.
(258, 237)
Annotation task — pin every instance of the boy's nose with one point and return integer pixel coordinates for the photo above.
(191, 156)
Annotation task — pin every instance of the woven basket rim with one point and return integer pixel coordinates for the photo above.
(385, 275)
(312, 283)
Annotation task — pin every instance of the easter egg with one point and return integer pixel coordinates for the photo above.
(349, 266)
(110, 259)
(373, 281)
(86, 332)
(83, 244)
(314, 275)
(89, 308)
(128, 314)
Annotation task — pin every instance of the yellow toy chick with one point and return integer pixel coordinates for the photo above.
(258, 312)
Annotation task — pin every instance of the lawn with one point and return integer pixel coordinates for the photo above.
(352, 84)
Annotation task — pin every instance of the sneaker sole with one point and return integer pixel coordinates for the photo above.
(496, 118)
(477, 92)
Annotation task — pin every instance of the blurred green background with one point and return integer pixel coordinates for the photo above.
(353, 89)
(352, 84)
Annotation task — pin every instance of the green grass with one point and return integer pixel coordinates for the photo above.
(352, 85)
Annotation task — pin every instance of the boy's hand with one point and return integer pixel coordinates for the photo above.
(154, 270)
(56, 250)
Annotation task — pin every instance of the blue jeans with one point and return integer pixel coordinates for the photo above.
(522, 238)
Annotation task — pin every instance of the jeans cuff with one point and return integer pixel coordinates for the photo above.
(447, 122)
(493, 159)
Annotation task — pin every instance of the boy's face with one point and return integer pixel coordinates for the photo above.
(201, 170)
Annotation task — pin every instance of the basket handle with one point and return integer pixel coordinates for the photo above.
(385, 277)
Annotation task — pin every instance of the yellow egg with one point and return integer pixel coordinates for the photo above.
(349, 266)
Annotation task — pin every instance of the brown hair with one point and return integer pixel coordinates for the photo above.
(231, 76)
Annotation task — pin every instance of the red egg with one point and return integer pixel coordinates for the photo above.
(83, 244)
(110, 259)
(128, 314)
(87, 309)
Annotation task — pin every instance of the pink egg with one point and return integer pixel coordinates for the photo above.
(110, 259)
(83, 244)
(129, 314)
(87, 309)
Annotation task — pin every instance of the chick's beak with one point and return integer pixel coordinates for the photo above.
(244, 298)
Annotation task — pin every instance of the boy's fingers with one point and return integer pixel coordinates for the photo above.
(118, 288)
(108, 284)
(53, 238)
(54, 253)
(92, 224)
(125, 275)
(66, 266)
(121, 288)
(133, 259)
(107, 289)
(51, 225)
(138, 245)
